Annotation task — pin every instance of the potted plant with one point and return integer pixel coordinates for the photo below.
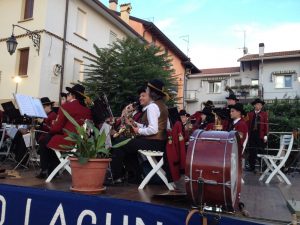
(91, 159)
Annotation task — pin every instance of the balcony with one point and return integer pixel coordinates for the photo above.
(191, 96)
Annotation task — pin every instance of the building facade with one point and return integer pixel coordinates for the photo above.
(87, 22)
(268, 76)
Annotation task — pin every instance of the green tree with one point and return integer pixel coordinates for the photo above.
(123, 67)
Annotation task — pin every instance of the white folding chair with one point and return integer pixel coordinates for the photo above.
(63, 165)
(275, 163)
(156, 168)
(5, 143)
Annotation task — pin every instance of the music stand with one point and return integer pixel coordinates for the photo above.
(33, 108)
(11, 113)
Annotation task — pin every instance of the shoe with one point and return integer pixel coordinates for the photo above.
(249, 169)
(110, 182)
(42, 175)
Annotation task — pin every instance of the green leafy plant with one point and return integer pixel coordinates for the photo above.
(88, 141)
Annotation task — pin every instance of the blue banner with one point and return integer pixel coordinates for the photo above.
(32, 206)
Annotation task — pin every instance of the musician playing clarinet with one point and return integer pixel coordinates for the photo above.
(258, 129)
(151, 132)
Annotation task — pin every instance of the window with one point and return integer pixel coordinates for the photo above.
(112, 37)
(254, 92)
(283, 81)
(78, 69)
(81, 23)
(23, 61)
(237, 82)
(214, 87)
(28, 9)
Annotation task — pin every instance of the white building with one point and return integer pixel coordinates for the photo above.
(265, 75)
(88, 22)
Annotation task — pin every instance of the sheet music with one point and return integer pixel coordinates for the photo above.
(30, 106)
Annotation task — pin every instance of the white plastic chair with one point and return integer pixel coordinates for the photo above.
(3, 142)
(156, 168)
(275, 163)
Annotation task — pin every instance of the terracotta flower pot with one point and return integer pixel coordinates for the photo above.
(88, 178)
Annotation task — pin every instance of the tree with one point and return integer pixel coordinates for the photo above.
(122, 68)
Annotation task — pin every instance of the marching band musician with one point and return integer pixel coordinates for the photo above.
(63, 98)
(258, 130)
(151, 132)
(227, 121)
(56, 137)
(208, 119)
(51, 116)
(238, 124)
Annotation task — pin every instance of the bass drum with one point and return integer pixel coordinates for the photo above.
(213, 169)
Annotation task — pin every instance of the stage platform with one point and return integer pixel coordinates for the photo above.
(265, 203)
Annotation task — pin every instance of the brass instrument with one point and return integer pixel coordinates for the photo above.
(125, 129)
(218, 122)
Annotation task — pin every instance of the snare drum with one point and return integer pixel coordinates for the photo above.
(213, 169)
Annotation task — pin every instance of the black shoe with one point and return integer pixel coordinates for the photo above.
(42, 175)
(249, 169)
(110, 182)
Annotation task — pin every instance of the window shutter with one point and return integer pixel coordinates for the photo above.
(28, 10)
(23, 66)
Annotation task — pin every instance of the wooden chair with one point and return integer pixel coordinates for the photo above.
(275, 163)
(156, 168)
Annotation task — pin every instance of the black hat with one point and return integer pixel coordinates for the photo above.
(77, 90)
(257, 100)
(63, 94)
(182, 112)
(208, 103)
(46, 101)
(239, 107)
(233, 97)
(157, 86)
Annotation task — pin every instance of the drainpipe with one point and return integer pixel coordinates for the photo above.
(63, 50)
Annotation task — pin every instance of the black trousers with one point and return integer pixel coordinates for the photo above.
(126, 157)
(18, 147)
(48, 158)
(255, 146)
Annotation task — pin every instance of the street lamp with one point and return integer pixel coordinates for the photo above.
(17, 80)
(12, 41)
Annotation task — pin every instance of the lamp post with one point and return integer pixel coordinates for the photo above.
(12, 41)
(17, 80)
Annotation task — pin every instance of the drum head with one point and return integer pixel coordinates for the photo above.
(234, 172)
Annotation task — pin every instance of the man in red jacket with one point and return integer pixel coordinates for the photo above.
(77, 109)
(258, 129)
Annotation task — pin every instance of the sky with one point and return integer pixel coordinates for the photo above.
(212, 32)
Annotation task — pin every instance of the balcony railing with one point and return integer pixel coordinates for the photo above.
(191, 96)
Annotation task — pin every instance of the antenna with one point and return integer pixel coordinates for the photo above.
(245, 49)
(186, 38)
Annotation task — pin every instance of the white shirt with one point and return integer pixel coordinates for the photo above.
(236, 120)
(153, 114)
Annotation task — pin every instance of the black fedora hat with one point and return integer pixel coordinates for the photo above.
(182, 112)
(157, 86)
(46, 101)
(257, 100)
(77, 90)
(208, 103)
(238, 107)
(233, 97)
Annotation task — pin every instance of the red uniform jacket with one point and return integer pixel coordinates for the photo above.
(78, 112)
(242, 128)
(196, 116)
(263, 123)
(175, 151)
(47, 123)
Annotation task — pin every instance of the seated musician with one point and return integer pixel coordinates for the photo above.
(56, 137)
(208, 119)
(238, 124)
(151, 132)
(47, 122)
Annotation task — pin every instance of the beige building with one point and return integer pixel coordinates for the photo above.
(86, 22)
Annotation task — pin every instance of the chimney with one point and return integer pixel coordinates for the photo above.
(125, 12)
(113, 4)
(261, 49)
